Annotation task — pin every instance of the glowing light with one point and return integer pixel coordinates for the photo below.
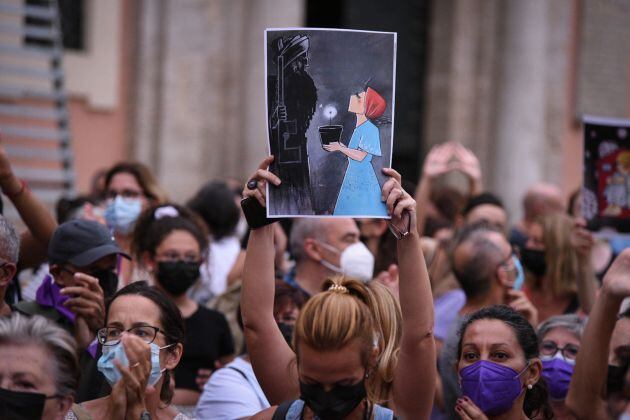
(330, 111)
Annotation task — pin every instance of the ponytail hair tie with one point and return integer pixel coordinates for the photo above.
(337, 288)
(165, 211)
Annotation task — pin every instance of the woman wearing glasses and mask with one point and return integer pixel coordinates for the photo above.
(142, 344)
(169, 241)
(559, 338)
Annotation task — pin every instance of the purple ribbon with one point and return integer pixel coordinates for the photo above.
(48, 294)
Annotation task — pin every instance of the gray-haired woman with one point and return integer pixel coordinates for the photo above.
(39, 369)
(559, 338)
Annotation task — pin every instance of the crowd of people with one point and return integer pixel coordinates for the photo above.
(127, 305)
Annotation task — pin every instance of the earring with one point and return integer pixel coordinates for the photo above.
(530, 386)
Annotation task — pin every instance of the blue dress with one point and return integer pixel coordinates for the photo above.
(360, 193)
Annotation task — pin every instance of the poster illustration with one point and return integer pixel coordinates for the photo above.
(330, 110)
(606, 189)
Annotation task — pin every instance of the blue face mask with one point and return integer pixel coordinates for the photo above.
(520, 274)
(106, 366)
(121, 213)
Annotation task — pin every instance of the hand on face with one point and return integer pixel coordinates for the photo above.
(262, 176)
(130, 391)
(582, 240)
(86, 300)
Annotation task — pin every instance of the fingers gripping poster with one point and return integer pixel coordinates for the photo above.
(330, 111)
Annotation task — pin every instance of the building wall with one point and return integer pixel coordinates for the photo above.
(510, 80)
(200, 92)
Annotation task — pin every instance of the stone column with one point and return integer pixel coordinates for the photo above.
(201, 107)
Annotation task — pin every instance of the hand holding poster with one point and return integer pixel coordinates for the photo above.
(606, 189)
(330, 109)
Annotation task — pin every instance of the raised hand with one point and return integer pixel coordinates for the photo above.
(135, 376)
(467, 162)
(582, 240)
(521, 304)
(438, 160)
(261, 176)
(617, 279)
(400, 205)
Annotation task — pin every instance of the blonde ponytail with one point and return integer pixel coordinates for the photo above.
(346, 310)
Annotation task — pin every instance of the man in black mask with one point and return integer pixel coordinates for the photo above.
(83, 259)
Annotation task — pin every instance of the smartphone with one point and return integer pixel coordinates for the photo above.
(255, 214)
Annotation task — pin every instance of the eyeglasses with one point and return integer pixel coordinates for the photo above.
(110, 336)
(124, 194)
(550, 348)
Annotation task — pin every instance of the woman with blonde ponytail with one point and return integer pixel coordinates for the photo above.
(355, 346)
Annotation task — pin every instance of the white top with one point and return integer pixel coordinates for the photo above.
(231, 393)
(214, 271)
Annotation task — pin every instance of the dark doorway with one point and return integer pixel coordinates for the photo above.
(410, 20)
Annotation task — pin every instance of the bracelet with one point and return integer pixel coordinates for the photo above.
(23, 187)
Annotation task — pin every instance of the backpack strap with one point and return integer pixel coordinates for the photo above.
(282, 410)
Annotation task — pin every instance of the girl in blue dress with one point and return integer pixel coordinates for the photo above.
(360, 193)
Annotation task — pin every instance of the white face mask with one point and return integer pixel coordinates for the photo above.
(356, 261)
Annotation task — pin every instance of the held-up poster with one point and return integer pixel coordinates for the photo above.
(330, 114)
(606, 189)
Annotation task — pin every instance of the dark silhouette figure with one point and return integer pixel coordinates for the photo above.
(293, 107)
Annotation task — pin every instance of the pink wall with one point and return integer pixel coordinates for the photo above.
(100, 138)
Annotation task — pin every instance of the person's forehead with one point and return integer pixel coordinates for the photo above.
(621, 333)
(179, 239)
(25, 359)
(330, 366)
(561, 336)
(130, 309)
(124, 180)
(340, 227)
(489, 212)
(488, 332)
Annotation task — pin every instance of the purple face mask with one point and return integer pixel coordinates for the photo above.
(492, 387)
(557, 373)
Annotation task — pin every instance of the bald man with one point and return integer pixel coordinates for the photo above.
(540, 199)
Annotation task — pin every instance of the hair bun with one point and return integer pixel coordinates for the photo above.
(338, 288)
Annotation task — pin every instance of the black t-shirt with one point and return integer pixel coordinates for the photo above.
(208, 338)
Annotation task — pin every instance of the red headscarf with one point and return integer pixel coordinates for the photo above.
(374, 104)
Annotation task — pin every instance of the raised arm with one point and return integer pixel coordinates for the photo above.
(34, 214)
(271, 356)
(586, 280)
(585, 398)
(415, 375)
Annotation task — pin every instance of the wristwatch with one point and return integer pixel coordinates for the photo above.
(145, 415)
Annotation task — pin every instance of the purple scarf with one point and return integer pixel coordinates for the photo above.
(48, 294)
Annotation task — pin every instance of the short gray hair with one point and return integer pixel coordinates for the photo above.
(9, 241)
(571, 322)
(19, 329)
(303, 229)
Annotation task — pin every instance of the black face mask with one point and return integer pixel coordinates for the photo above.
(108, 280)
(534, 261)
(17, 405)
(177, 276)
(615, 378)
(335, 404)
